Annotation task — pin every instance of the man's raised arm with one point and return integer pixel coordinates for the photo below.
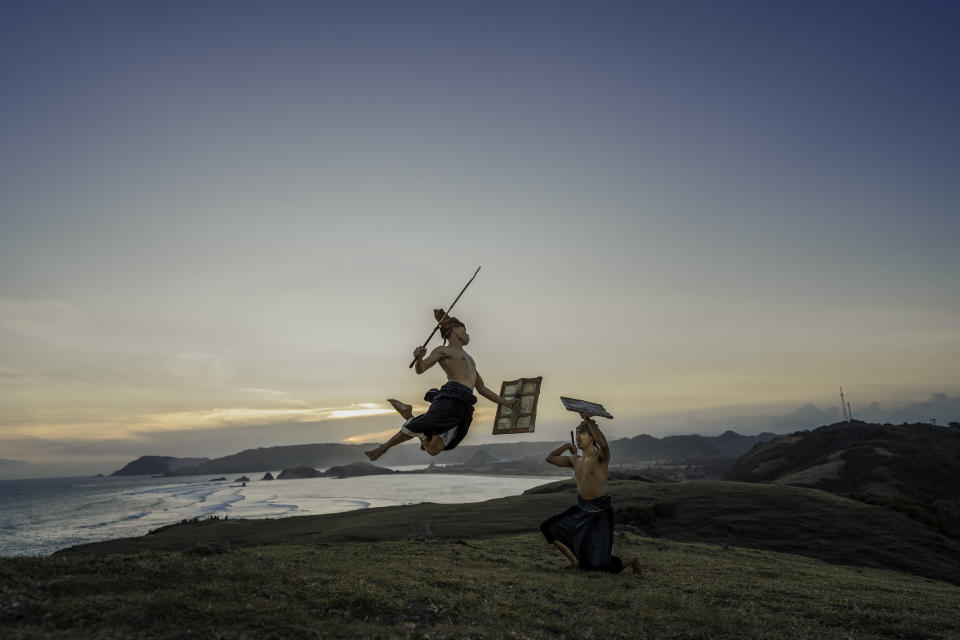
(597, 436)
(490, 395)
(422, 365)
(555, 457)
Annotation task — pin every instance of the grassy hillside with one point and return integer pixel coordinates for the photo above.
(919, 461)
(788, 519)
(502, 587)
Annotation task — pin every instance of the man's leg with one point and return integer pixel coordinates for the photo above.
(399, 437)
(402, 408)
(434, 445)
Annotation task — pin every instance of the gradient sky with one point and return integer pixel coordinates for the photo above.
(225, 224)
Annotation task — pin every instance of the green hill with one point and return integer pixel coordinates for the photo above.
(487, 588)
(786, 519)
(715, 554)
(919, 461)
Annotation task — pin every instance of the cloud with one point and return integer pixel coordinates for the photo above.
(196, 365)
(244, 416)
(38, 312)
(47, 320)
(6, 462)
(16, 377)
(273, 395)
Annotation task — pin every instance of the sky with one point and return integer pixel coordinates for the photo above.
(225, 224)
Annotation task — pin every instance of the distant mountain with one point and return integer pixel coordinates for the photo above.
(482, 462)
(639, 449)
(680, 448)
(156, 465)
(280, 457)
(919, 461)
(299, 472)
(355, 469)
(481, 457)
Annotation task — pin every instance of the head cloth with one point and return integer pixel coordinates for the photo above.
(447, 325)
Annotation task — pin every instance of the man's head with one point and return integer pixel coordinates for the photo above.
(450, 326)
(585, 437)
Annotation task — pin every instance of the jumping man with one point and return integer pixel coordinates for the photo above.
(584, 532)
(447, 421)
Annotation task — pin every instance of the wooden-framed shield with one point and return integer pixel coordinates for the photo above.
(585, 407)
(523, 418)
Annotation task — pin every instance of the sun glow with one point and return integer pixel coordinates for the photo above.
(377, 436)
(355, 413)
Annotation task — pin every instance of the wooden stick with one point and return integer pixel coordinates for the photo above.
(446, 313)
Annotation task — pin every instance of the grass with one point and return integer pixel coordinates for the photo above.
(724, 560)
(792, 520)
(500, 587)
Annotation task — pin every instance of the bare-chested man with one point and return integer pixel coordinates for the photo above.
(584, 533)
(448, 419)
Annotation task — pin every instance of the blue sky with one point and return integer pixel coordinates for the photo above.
(222, 214)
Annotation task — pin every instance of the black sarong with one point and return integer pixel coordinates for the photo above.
(587, 530)
(449, 415)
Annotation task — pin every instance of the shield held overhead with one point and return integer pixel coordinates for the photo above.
(523, 418)
(585, 407)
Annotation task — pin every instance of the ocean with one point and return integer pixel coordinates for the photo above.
(40, 516)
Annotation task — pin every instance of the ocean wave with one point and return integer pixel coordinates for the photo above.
(354, 503)
(52, 519)
(221, 506)
(107, 523)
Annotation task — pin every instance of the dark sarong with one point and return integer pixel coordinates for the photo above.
(451, 409)
(587, 530)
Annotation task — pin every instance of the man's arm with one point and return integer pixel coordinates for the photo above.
(556, 459)
(435, 356)
(597, 437)
(490, 395)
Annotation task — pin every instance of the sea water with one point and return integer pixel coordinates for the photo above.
(40, 516)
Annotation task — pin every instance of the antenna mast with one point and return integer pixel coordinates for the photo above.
(844, 406)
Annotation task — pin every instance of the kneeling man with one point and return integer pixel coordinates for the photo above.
(584, 532)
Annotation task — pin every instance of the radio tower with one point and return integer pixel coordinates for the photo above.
(844, 406)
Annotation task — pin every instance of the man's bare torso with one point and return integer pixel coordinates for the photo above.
(459, 366)
(591, 476)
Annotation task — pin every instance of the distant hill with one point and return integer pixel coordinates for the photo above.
(482, 457)
(643, 449)
(280, 457)
(919, 461)
(483, 463)
(679, 448)
(355, 469)
(156, 465)
(296, 473)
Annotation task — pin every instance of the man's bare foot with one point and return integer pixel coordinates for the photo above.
(637, 565)
(373, 454)
(402, 408)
